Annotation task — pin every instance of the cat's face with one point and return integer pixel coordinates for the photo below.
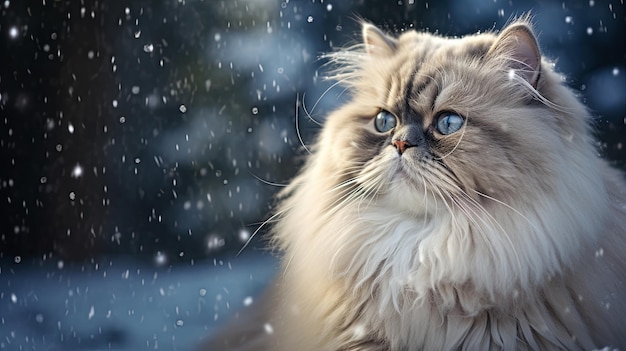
(448, 120)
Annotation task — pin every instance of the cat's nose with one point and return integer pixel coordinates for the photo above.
(401, 145)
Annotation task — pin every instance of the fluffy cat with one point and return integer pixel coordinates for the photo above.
(455, 202)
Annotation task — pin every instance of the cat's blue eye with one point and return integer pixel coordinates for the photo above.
(385, 121)
(449, 123)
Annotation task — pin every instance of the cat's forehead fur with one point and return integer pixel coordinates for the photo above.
(427, 69)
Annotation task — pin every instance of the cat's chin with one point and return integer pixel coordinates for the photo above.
(407, 190)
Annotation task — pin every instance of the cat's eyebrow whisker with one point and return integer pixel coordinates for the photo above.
(317, 102)
(267, 181)
(463, 129)
(536, 94)
(297, 108)
(309, 114)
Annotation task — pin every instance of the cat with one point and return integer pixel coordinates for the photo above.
(457, 201)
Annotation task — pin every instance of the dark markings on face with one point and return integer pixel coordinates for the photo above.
(412, 93)
(409, 90)
(369, 144)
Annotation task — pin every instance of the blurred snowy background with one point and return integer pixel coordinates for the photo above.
(139, 140)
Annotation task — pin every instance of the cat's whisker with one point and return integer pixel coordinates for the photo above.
(365, 186)
(346, 198)
(357, 195)
(445, 182)
(481, 225)
(349, 172)
(289, 259)
(350, 175)
(486, 212)
(494, 221)
(369, 188)
(443, 198)
(378, 184)
(442, 172)
(254, 224)
(426, 199)
(342, 185)
(348, 184)
(445, 179)
(269, 220)
(505, 205)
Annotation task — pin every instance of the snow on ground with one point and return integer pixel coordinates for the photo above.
(122, 304)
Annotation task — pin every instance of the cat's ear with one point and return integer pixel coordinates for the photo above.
(376, 42)
(519, 45)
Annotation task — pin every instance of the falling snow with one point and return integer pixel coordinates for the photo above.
(143, 145)
(77, 171)
(13, 32)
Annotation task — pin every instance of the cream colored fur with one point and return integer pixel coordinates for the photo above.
(509, 234)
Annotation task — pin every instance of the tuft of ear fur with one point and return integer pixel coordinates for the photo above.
(518, 43)
(376, 42)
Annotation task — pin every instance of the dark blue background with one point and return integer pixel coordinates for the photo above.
(138, 138)
(173, 109)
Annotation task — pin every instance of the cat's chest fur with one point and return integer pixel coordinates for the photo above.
(372, 277)
(368, 290)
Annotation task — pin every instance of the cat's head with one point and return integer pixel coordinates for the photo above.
(451, 117)
(478, 131)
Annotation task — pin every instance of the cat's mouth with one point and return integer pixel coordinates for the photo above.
(406, 171)
(425, 172)
(409, 190)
